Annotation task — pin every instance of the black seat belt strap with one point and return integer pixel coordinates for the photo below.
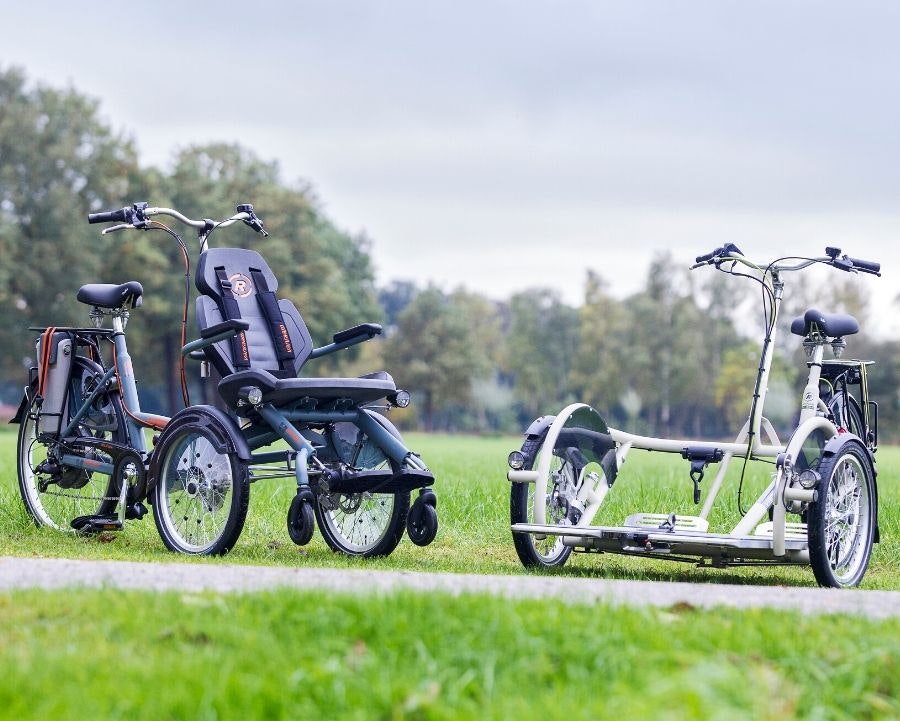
(268, 303)
(240, 352)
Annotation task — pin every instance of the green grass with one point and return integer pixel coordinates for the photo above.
(289, 654)
(474, 513)
(293, 655)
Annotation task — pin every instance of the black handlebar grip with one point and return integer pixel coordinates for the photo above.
(708, 256)
(867, 265)
(110, 216)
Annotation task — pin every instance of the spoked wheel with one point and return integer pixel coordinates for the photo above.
(841, 523)
(534, 550)
(202, 488)
(361, 524)
(55, 495)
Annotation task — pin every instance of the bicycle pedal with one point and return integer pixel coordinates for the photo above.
(96, 524)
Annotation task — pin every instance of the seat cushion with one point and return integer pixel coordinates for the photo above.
(833, 325)
(283, 391)
(108, 295)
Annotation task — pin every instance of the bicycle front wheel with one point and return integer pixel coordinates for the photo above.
(201, 490)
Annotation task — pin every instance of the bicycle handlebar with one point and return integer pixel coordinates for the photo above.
(730, 252)
(139, 214)
(110, 216)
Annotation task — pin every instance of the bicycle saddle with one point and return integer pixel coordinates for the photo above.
(833, 325)
(107, 295)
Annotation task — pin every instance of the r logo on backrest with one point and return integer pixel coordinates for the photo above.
(240, 285)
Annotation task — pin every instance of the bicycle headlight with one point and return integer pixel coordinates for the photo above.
(516, 460)
(251, 395)
(399, 398)
(809, 478)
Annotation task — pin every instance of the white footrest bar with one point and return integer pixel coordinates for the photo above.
(661, 521)
(791, 530)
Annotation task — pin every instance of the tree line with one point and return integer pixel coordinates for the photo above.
(677, 358)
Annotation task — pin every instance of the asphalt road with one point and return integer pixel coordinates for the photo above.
(54, 573)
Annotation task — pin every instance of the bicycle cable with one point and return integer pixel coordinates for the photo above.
(769, 320)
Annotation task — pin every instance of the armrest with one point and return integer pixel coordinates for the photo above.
(369, 330)
(229, 325)
(347, 338)
(214, 334)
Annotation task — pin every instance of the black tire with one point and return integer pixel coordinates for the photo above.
(841, 523)
(361, 524)
(422, 523)
(201, 488)
(301, 521)
(56, 499)
(549, 551)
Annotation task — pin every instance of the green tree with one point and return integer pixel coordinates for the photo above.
(600, 356)
(58, 161)
(540, 347)
(434, 354)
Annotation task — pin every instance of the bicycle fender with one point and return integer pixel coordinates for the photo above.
(232, 439)
(539, 426)
(23, 408)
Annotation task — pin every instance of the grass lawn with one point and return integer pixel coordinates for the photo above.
(293, 655)
(289, 654)
(474, 514)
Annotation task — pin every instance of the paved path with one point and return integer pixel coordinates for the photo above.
(61, 573)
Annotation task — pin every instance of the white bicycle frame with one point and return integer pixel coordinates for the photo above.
(779, 541)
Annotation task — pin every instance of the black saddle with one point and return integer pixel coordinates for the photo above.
(833, 325)
(107, 295)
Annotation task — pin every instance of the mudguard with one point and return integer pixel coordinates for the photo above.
(538, 426)
(231, 441)
(23, 407)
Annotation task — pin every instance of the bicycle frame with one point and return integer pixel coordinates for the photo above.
(778, 542)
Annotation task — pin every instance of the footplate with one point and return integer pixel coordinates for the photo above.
(381, 481)
(670, 522)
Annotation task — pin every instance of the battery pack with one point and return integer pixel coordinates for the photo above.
(55, 354)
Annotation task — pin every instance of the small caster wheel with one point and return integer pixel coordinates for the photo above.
(301, 522)
(421, 523)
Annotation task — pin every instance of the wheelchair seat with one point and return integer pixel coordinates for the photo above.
(833, 325)
(317, 391)
(238, 283)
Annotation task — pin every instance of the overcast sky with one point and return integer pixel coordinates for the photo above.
(502, 145)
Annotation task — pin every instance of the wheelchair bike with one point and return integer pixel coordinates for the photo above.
(824, 476)
(84, 463)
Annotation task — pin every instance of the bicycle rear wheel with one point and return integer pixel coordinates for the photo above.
(55, 494)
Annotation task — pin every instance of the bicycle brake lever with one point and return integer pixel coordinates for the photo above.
(115, 228)
(844, 264)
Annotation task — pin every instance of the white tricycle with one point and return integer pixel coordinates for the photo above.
(824, 477)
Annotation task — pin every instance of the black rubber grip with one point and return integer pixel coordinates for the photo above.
(110, 216)
(868, 265)
(708, 256)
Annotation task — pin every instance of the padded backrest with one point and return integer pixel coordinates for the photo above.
(238, 264)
